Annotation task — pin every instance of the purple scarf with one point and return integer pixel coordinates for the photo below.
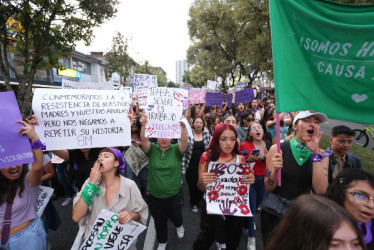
(366, 232)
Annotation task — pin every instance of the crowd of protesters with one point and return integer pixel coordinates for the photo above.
(324, 194)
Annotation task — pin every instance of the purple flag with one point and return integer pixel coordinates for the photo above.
(212, 99)
(15, 149)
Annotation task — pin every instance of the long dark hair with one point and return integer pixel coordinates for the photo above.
(201, 118)
(8, 188)
(346, 179)
(214, 150)
(311, 223)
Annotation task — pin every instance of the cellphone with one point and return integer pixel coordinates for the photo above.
(255, 151)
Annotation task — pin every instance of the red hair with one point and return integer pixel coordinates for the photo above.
(214, 151)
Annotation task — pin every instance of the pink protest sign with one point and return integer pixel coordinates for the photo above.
(196, 96)
(15, 149)
(228, 194)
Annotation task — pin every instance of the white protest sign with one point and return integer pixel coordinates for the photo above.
(108, 233)
(67, 84)
(70, 119)
(164, 109)
(228, 194)
(45, 194)
(211, 85)
(142, 83)
(136, 158)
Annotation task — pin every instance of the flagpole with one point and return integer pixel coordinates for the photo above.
(278, 146)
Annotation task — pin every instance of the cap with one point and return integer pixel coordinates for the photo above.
(307, 113)
(120, 159)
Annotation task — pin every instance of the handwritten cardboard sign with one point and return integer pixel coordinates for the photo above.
(245, 96)
(67, 84)
(212, 99)
(45, 194)
(211, 85)
(142, 83)
(228, 194)
(15, 149)
(70, 119)
(164, 109)
(136, 159)
(108, 233)
(196, 96)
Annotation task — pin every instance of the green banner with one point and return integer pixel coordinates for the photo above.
(323, 55)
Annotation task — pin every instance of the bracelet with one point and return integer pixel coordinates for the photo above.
(318, 157)
(89, 192)
(38, 144)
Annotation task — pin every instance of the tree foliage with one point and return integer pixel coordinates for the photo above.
(118, 59)
(49, 29)
(229, 37)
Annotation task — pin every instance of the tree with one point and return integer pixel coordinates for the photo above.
(222, 33)
(45, 30)
(172, 84)
(118, 59)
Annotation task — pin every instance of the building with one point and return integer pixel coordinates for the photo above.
(180, 67)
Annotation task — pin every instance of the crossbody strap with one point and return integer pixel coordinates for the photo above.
(6, 223)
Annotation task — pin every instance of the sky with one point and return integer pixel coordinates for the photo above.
(156, 31)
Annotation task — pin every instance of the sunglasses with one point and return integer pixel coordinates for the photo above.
(249, 119)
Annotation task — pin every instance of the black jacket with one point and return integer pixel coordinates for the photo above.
(352, 161)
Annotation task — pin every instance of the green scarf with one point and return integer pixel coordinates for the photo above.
(300, 151)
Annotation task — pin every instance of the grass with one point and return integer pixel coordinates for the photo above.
(365, 154)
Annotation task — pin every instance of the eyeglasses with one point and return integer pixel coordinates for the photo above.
(249, 119)
(362, 198)
(198, 123)
(256, 128)
(342, 141)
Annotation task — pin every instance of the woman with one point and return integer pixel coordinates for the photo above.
(129, 173)
(197, 144)
(229, 119)
(210, 123)
(107, 189)
(272, 127)
(165, 198)
(255, 139)
(314, 222)
(303, 166)
(223, 149)
(354, 189)
(195, 110)
(242, 129)
(19, 190)
(258, 113)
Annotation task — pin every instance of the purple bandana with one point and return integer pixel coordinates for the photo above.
(120, 159)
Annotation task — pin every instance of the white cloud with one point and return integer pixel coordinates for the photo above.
(157, 29)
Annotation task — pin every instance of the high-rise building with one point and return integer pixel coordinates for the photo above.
(180, 67)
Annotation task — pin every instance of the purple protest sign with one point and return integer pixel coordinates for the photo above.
(212, 99)
(196, 96)
(229, 100)
(244, 96)
(240, 84)
(15, 149)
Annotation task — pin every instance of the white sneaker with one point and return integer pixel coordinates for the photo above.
(195, 209)
(180, 232)
(67, 201)
(251, 244)
(161, 246)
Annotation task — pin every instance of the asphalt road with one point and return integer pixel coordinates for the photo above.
(327, 127)
(63, 238)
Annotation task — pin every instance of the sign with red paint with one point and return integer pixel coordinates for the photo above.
(228, 194)
(164, 110)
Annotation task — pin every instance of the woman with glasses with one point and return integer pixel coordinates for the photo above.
(246, 118)
(354, 190)
(196, 146)
(254, 149)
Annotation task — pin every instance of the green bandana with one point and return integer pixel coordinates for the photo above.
(300, 151)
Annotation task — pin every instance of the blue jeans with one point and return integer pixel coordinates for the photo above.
(143, 175)
(257, 194)
(31, 238)
(63, 178)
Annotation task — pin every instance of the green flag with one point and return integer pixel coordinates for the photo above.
(323, 54)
